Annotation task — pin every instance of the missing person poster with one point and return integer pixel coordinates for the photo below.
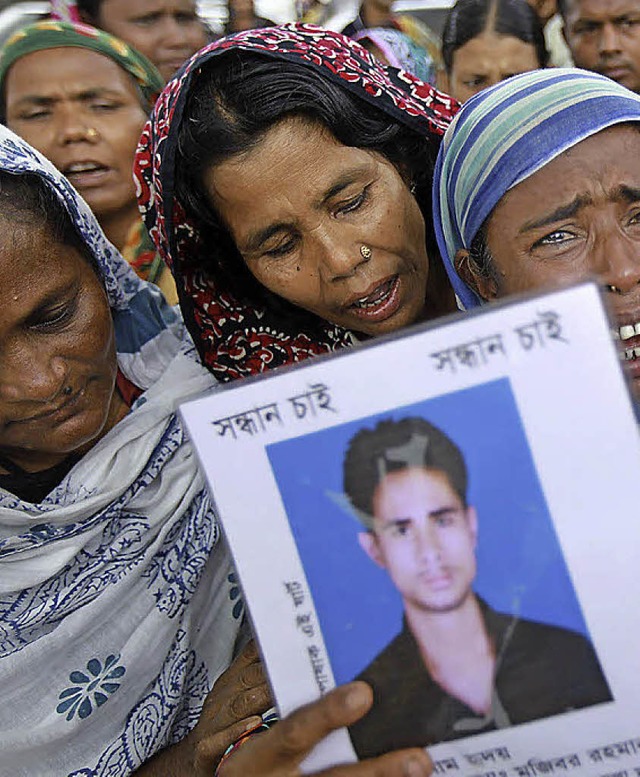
(451, 516)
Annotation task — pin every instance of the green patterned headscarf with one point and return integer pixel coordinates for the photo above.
(50, 34)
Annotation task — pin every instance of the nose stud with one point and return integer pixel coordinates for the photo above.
(91, 133)
(365, 252)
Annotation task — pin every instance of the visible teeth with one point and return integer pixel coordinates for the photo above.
(631, 354)
(627, 332)
(82, 167)
(373, 300)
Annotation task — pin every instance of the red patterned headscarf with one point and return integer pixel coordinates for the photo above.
(234, 338)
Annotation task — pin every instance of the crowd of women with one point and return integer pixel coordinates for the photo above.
(295, 193)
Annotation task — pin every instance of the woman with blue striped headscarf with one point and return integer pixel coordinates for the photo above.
(537, 184)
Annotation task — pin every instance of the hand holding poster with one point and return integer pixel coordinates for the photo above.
(446, 515)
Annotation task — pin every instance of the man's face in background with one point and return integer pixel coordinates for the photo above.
(425, 538)
(604, 37)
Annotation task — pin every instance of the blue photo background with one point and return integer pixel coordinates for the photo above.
(521, 569)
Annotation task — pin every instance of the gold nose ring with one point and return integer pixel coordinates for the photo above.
(91, 133)
(365, 252)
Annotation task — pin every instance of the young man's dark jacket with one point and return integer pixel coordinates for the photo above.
(541, 670)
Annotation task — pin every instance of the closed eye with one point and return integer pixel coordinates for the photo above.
(36, 113)
(353, 204)
(146, 21)
(54, 319)
(474, 81)
(281, 250)
(105, 106)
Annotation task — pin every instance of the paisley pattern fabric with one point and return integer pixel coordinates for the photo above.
(118, 602)
(236, 338)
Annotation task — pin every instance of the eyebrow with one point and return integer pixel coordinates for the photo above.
(256, 239)
(622, 193)
(346, 179)
(82, 96)
(431, 514)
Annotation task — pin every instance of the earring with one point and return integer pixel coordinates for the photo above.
(365, 252)
(91, 133)
(412, 188)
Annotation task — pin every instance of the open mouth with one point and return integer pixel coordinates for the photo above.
(628, 336)
(379, 303)
(84, 172)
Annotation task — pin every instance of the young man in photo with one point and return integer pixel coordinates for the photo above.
(457, 667)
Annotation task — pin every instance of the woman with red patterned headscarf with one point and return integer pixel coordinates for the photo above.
(285, 177)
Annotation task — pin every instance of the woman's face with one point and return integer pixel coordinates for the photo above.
(486, 60)
(83, 112)
(57, 347)
(167, 32)
(303, 209)
(578, 217)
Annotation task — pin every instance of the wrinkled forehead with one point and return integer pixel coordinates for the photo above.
(606, 154)
(597, 10)
(506, 134)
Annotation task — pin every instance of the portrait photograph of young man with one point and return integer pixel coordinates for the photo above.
(433, 520)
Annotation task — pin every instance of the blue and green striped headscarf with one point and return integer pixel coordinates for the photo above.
(507, 133)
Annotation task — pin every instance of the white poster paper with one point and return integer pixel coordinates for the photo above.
(493, 612)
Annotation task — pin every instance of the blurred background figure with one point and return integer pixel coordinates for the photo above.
(395, 48)
(81, 97)
(378, 13)
(486, 41)
(167, 32)
(604, 36)
(312, 11)
(559, 54)
(243, 16)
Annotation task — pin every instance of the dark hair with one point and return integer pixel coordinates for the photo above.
(235, 101)
(89, 10)
(397, 445)
(27, 199)
(469, 18)
(480, 257)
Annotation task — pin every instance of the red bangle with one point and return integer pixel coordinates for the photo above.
(238, 744)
